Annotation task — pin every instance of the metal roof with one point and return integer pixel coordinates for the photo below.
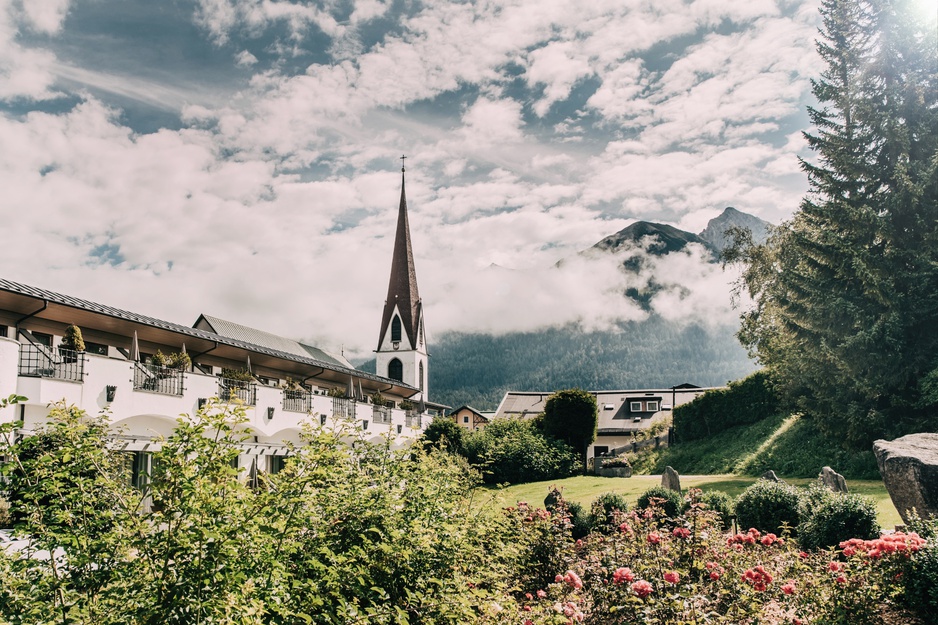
(50, 297)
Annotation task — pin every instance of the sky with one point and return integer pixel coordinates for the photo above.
(241, 158)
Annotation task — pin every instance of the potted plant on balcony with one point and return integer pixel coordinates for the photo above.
(170, 363)
(408, 405)
(71, 343)
(379, 400)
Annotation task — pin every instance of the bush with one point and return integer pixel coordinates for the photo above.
(513, 451)
(579, 519)
(743, 402)
(839, 518)
(444, 432)
(719, 502)
(921, 583)
(767, 506)
(619, 462)
(672, 504)
(5, 519)
(603, 509)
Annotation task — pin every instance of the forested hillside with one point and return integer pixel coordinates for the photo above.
(477, 369)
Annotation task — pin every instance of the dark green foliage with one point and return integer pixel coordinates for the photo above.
(743, 402)
(73, 339)
(445, 433)
(602, 516)
(571, 416)
(670, 502)
(514, 451)
(838, 518)
(767, 506)
(579, 519)
(845, 295)
(920, 582)
(719, 502)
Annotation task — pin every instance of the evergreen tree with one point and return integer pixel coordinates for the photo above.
(845, 295)
(571, 416)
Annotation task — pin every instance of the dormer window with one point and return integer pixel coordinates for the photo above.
(396, 329)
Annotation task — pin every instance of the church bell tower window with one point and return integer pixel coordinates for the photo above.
(396, 370)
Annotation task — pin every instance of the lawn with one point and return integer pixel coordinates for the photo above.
(585, 488)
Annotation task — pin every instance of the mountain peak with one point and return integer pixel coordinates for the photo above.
(715, 232)
(669, 238)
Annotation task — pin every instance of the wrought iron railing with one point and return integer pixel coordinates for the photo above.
(381, 414)
(296, 401)
(42, 362)
(344, 408)
(244, 390)
(157, 379)
(412, 419)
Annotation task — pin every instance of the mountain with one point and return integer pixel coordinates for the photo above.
(668, 239)
(715, 232)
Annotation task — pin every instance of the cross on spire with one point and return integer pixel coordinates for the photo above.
(402, 163)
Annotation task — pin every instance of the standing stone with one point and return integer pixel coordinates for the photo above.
(771, 477)
(670, 479)
(909, 466)
(833, 480)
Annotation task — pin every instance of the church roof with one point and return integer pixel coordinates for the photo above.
(266, 339)
(402, 286)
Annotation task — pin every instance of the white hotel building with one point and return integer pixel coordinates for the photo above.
(290, 383)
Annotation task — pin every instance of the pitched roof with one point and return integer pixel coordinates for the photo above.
(402, 286)
(266, 339)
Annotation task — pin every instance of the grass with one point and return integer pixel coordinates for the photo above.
(585, 488)
(788, 444)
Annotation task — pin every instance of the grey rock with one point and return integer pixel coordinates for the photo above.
(771, 477)
(833, 480)
(909, 466)
(670, 479)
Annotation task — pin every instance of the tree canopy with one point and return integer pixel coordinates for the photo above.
(570, 415)
(845, 313)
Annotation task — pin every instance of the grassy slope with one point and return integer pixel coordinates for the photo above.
(584, 489)
(788, 445)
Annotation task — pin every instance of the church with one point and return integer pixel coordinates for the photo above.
(145, 372)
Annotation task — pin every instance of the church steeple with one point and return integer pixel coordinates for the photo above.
(401, 352)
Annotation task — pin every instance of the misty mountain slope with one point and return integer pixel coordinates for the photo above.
(477, 369)
(667, 239)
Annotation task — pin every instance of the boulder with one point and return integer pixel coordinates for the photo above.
(909, 466)
(670, 479)
(833, 480)
(771, 477)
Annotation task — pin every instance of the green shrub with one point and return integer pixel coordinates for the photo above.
(672, 502)
(603, 509)
(5, 519)
(838, 519)
(721, 503)
(767, 506)
(513, 451)
(921, 583)
(579, 519)
(743, 402)
(444, 432)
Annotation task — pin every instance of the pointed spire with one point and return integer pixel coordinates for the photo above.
(402, 286)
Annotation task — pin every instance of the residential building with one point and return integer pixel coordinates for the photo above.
(469, 418)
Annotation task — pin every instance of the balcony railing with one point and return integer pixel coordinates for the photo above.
(343, 408)
(237, 389)
(381, 414)
(296, 401)
(157, 379)
(41, 362)
(412, 419)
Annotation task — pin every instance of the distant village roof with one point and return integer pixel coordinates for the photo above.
(402, 286)
(478, 413)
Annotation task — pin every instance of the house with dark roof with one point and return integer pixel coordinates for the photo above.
(282, 383)
(469, 418)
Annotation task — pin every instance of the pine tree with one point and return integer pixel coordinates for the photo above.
(846, 293)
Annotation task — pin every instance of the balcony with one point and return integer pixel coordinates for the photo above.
(297, 401)
(243, 390)
(39, 361)
(343, 408)
(381, 415)
(412, 419)
(157, 379)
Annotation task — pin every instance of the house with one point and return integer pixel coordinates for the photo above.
(469, 418)
(621, 414)
(282, 383)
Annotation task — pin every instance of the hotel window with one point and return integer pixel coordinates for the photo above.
(43, 338)
(3, 331)
(635, 406)
(652, 406)
(96, 348)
